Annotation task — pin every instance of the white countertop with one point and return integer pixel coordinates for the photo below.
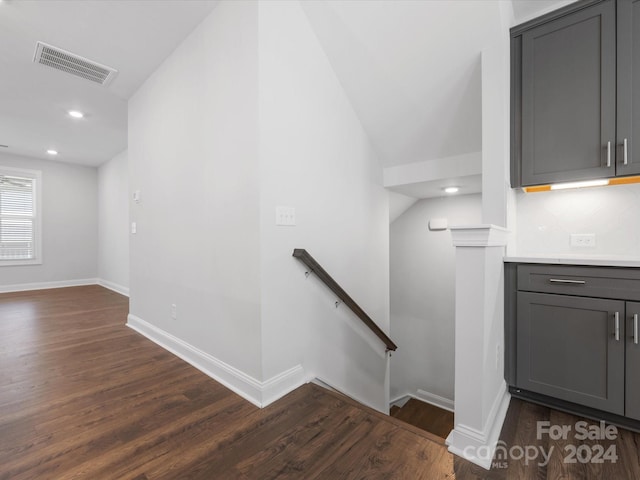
(565, 259)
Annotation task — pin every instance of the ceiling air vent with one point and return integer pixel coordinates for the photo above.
(59, 59)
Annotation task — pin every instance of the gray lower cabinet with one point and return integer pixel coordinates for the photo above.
(568, 349)
(632, 388)
(572, 338)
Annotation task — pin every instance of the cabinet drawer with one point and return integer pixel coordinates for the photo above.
(614, 283)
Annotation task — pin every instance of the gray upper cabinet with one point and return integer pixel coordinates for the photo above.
(628, 104)
(572, 81)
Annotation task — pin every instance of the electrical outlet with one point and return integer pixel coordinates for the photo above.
(174, 311)
(583, 240)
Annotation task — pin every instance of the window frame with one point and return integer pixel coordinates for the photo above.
(36, 176)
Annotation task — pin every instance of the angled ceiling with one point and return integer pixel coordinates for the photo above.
(132, 36)
(410, 68)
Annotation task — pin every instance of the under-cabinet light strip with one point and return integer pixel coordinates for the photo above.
(588, 183)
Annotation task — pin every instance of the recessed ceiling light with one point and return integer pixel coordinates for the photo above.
(451, 190)
(52, 152)
(76, 114)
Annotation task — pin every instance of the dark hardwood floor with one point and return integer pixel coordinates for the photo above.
(425, 416)
(84, 397)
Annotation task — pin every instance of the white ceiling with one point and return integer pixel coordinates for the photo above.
(410, 68)
(133, 36)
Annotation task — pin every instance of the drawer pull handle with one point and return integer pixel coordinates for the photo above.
(625, 150)
(568, 282)
(616, 316)
(635, 328)
(608, 154)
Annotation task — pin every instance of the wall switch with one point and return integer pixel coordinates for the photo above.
(134, 228)
(136, 196)
(583, 240)
(174, 311)
(286, 216)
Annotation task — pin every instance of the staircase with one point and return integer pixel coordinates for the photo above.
(425, 416)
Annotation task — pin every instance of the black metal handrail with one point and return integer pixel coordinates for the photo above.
(302, 255)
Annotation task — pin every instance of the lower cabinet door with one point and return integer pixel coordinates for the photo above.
(632, 387)
(572, 348)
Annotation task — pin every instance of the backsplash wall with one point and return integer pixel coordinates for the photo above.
(545, 221)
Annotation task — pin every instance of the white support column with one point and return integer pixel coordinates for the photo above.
(481, 396)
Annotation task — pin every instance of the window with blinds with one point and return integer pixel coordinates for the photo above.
(18, 225)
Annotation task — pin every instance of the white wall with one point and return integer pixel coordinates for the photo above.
(69, 225)
(244, 116)
(547, 219)
(193, 154)
(422, 266)
(113, 223)
(316, 157)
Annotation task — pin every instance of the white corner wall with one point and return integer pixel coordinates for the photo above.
(69, 227)
(113, 224)
(316, 157)
(246, 115)
(193, 154)
(422, 266)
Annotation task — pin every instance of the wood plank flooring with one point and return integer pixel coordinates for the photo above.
(84, 397)
(426, 417)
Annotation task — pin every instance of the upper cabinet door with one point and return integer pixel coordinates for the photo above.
(628, 158)
(569, 97)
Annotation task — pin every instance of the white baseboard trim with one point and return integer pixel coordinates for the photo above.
(436, 400)
(259, 393)
(24, 287)
(426, 397)
(329, 386)
(400, 401)
(479, 446)
(280, 385)
(114, 286)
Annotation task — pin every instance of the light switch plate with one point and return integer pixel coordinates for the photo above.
(286, 216)
(134, 227)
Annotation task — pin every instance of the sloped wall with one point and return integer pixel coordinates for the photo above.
(316, 157)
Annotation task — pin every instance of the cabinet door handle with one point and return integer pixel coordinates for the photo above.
(624, 152)
(608, 154)
(570, 282)
(616, 317)
(635, 328)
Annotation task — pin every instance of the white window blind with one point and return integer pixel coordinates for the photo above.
(17, 218)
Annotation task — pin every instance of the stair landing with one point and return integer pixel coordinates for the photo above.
(425, 416)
